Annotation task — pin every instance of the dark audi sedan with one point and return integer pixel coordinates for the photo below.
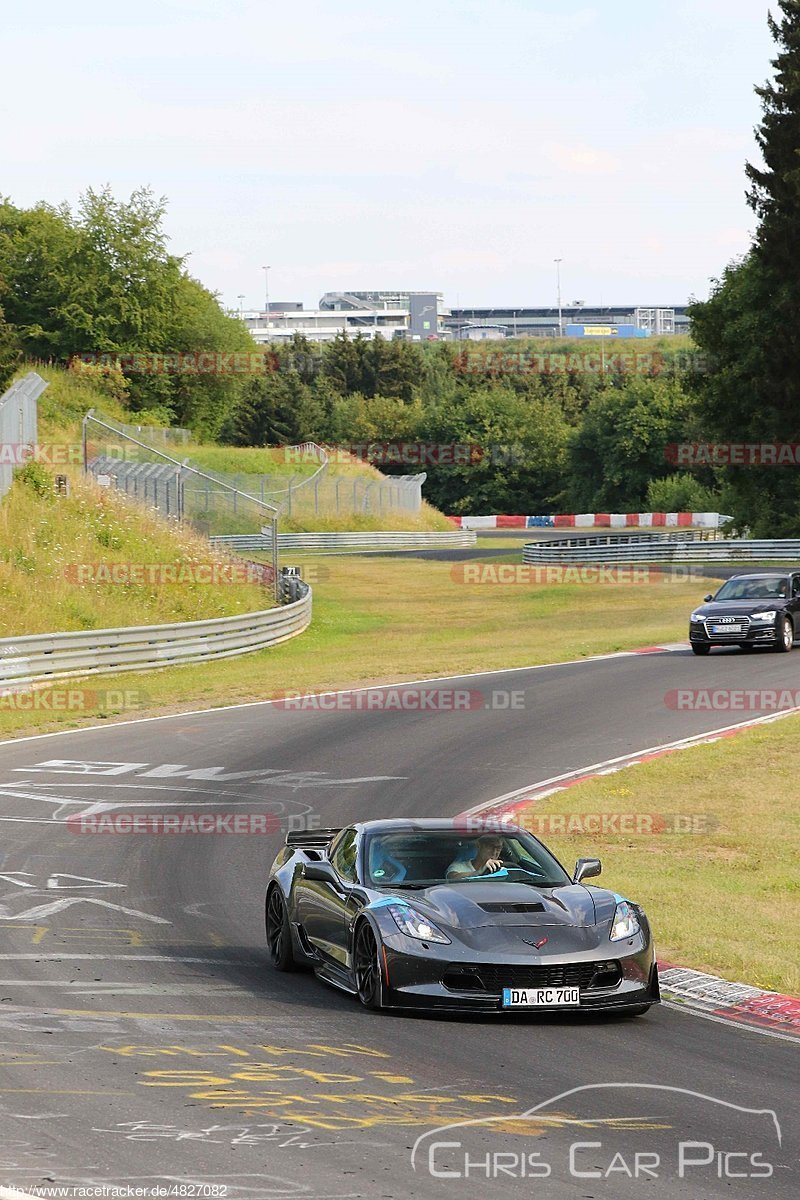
(749, 611)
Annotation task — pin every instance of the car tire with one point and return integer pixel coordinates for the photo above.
(367, 967)
(700, 649)
(747, 647)
(786, 637)
(279, 933)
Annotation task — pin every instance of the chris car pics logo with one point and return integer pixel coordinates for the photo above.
(606, 1133)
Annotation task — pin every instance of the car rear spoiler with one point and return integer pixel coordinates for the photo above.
(317, 838)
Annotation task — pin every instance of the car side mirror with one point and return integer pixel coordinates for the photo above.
(321, 872)
(586, 868)
(707, 598)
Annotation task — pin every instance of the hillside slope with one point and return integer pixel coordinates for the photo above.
(96, 560)
(70, 395)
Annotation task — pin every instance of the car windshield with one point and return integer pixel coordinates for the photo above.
(765, 587)
(425, 858)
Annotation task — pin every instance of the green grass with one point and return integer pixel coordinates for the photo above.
(385, 620)
(271, 460)
(725, 899)
(45, 542)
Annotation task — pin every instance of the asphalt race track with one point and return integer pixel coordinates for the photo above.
(145, 1040)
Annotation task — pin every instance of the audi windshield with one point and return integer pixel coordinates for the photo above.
(772, 587)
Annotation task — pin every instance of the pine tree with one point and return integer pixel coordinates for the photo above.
(749, 328)
(774, 194)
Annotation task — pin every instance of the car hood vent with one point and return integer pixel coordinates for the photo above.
(500, 907)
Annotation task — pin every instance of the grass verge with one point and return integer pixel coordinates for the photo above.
(725, 898)
(57, 555)
(384, 620)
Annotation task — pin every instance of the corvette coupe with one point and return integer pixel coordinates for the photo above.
(435, 914)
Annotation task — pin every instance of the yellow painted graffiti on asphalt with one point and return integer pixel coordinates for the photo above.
(106, 936)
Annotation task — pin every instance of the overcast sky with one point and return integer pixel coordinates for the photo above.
(451, 145)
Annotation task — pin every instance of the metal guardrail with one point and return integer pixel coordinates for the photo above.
(680, 547)
(378, 541)
(43, 657)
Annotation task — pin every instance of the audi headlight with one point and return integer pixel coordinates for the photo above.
(765, 616)
(696, 617)
(415, 925)
(625, 923)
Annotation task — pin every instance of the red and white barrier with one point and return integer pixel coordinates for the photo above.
(651, 520)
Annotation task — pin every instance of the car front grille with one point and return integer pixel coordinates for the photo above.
(737, 629)
(493, 977)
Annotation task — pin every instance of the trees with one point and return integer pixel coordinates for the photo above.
(10, 352)
(38, 251)
(749, 326)
(518, 451)
(102, 281)
(620, 445)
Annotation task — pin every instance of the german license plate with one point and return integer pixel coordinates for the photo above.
(564, 997)
(726, 629)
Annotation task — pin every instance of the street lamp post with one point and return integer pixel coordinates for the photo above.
(558, 262)
(240, 298)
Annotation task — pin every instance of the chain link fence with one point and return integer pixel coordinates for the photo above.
(218, 504)
(176, 488)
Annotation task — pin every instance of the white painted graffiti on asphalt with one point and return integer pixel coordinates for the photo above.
(272, 776)
(283, 1136)
(86, 806)
(30, 886)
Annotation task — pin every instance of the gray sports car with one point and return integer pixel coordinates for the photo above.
(437, 914)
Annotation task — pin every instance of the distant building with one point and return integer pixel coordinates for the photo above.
(543, 322)
(421, 316)
(389, 314)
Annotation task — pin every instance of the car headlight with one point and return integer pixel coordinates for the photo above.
(415, 925)
(625, 923)
(696, 617)
(765, 616)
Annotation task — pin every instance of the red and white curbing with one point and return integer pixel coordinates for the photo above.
(719, 998)
(707, 995)
(593, 521)
(649, 520)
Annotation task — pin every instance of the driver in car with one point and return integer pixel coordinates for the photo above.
(485, 861)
